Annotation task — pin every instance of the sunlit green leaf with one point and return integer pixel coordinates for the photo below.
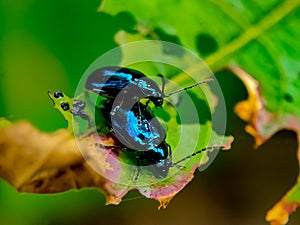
(258, 37)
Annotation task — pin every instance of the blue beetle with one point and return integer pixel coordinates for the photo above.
(109, 81)
(131, 121)
(134, 125)
(143, 139)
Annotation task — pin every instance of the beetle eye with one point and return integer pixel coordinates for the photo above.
(58, 94)
(159, 102)
(65, 106)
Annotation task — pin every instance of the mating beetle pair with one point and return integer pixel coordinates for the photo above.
(133, 122)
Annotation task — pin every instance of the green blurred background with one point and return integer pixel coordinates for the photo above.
(47, 45)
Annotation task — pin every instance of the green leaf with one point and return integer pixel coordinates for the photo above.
(259, 37)
(120, 169)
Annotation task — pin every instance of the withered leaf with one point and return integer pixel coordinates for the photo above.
(37, 162)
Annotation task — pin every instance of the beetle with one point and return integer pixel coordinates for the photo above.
(141, 136)
(144, 143)
(136, 127)
(131, 121)
(109, 81)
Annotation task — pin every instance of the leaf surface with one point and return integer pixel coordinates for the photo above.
(60, 161)
(257, 37)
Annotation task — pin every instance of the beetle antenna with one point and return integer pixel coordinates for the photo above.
(189, 87)
(163, 83)
(197, 152)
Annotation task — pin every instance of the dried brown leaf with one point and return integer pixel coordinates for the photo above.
(37, 162)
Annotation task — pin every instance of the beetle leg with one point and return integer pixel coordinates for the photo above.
(169, 151)
(180, 167)
(138, 169)
(147, 103)
(78, 110)
(163, 83)
(112, 147)
(139, 117)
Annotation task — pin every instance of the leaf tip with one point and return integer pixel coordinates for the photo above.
(279, 214)
(164, 202)
(112, 200)
(227, 145)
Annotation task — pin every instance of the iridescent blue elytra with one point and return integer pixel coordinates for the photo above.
(109, 81)
(142, 137)
(135, 126)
